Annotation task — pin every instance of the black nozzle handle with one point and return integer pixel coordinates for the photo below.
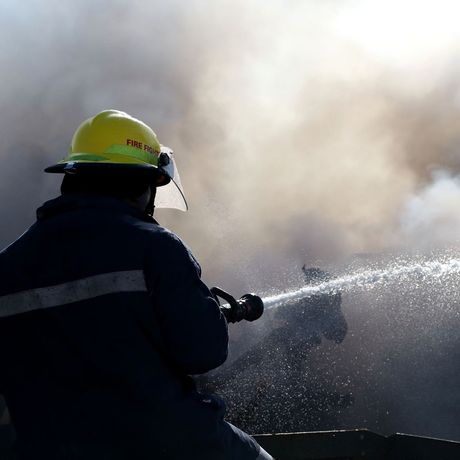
(229, 309)
(218, 292)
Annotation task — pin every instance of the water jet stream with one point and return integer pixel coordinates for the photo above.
(369, 279)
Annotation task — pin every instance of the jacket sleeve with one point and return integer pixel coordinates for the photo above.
(194, 331)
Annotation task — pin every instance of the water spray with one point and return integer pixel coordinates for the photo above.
(251, 307)
(367, 280)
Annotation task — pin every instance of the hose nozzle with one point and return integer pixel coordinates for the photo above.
(249, 307)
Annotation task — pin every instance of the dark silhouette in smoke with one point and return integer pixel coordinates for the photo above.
(275, 386)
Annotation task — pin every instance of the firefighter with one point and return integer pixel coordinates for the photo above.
(103, 316)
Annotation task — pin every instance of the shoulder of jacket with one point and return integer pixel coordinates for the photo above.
(172, 245)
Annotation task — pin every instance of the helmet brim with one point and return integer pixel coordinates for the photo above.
(160, 179)
(169, 194)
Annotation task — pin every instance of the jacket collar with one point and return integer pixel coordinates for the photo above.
(72, 202)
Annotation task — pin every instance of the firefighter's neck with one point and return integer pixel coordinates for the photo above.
(141, 202)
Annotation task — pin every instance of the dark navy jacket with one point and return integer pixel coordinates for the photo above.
(103, 317)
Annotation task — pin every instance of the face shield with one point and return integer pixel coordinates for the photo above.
(172, 194)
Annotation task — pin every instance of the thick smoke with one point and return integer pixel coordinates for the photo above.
(431, 217)
(297, 141)
(305, 132)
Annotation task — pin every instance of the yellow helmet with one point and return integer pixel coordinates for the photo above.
(115, 140)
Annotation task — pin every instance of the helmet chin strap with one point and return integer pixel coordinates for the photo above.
(150, 208)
